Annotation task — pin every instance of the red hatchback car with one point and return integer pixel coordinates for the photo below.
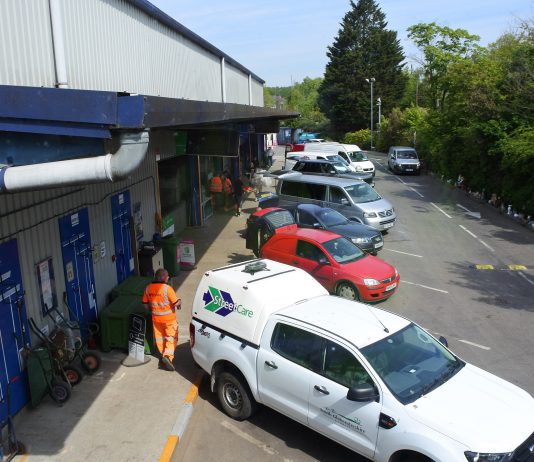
(338, 264)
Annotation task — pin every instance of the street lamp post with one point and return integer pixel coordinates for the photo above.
(371, 81)
(379, 104)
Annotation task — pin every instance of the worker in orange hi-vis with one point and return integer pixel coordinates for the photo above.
(216, 189)
(161, 300)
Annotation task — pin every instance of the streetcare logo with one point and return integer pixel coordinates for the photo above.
(221, 303)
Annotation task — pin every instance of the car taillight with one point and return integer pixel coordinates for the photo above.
(191, 335)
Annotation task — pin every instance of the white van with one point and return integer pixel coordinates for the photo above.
(350, 152)
(365, 377)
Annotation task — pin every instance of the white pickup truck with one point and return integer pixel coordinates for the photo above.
(367, 378)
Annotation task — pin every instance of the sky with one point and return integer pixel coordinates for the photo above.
(283, 42)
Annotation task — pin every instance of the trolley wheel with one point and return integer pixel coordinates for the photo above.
(91, 361)
(73, 374)
(60, 391)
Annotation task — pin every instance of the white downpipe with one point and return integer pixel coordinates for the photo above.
(249, 90)
(107, 168)
(58, 43)
(223, 80)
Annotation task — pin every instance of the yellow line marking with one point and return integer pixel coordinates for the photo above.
(517, 267)
(24, 457)
(484, 267)
(168, 450)
(173, 440)
(193, 391)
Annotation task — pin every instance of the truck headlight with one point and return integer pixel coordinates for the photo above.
(361, 240)
(371, 282)
(370, 214)
(488, 457)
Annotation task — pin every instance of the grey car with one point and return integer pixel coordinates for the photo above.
(353, 198)
(314, 216)
(404, 159)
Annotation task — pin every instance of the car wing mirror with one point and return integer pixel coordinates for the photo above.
(361, 393)
(443, 341)
(344, 201)
(317, 226)
(356, 220)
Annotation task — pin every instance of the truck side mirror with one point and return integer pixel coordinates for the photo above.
(361, 393)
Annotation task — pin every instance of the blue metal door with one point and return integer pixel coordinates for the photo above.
(13, 332)
(78, 268)
(121, 215)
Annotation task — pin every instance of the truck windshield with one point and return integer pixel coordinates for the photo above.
(406, 155)
(412, 363)
(357, 156)
(361, 193)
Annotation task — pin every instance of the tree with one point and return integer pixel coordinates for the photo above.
(441, 47)
(364, 48)
(302, 97)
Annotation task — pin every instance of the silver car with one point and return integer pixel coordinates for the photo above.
(353, 198)
(403, 159)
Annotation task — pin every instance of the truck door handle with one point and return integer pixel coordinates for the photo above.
(271, 364)
(322, 390)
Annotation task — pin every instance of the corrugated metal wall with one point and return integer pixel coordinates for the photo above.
(37, 231)
(257, 93)
(26, 54)
(112, 46)
(236, 86)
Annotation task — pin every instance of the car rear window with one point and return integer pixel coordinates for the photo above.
(280, 218)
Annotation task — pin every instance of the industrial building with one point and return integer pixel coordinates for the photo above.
(113, 118)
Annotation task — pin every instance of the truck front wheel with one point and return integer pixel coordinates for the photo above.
(235, 397)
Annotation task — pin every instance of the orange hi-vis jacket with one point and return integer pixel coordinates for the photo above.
(216, 184)
(228, 186)
(161, 299)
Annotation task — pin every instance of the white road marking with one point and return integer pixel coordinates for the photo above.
(486, 245)
(475, 236)
(468, 212)
(405, 253)
(437, 335)
(248, 438)
(424, 287)
(446, 214)
(474, 344)
(409, 187)
(525, 277)
(468, 232)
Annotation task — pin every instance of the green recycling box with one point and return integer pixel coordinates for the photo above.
(114, 323)
(171, 254)
(133, 285)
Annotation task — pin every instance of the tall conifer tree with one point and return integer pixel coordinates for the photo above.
(364, 48)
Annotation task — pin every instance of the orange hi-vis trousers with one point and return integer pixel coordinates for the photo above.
(166, 337)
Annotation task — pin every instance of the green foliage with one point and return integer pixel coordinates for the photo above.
(267, 98)
(362, 138)
(441, 47)
(364, 48)
(302, 97)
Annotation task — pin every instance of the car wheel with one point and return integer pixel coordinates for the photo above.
(348, 291)
(235, 398)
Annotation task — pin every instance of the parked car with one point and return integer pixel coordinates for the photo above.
(262, 224)
(331, 168)
(339, 265)
(300, 155)
(403, 159)
(349, 152)
(352, 198)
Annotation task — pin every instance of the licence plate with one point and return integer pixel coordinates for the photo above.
(380, 244)
(388, 225)
(409, 169)
(391, 287)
